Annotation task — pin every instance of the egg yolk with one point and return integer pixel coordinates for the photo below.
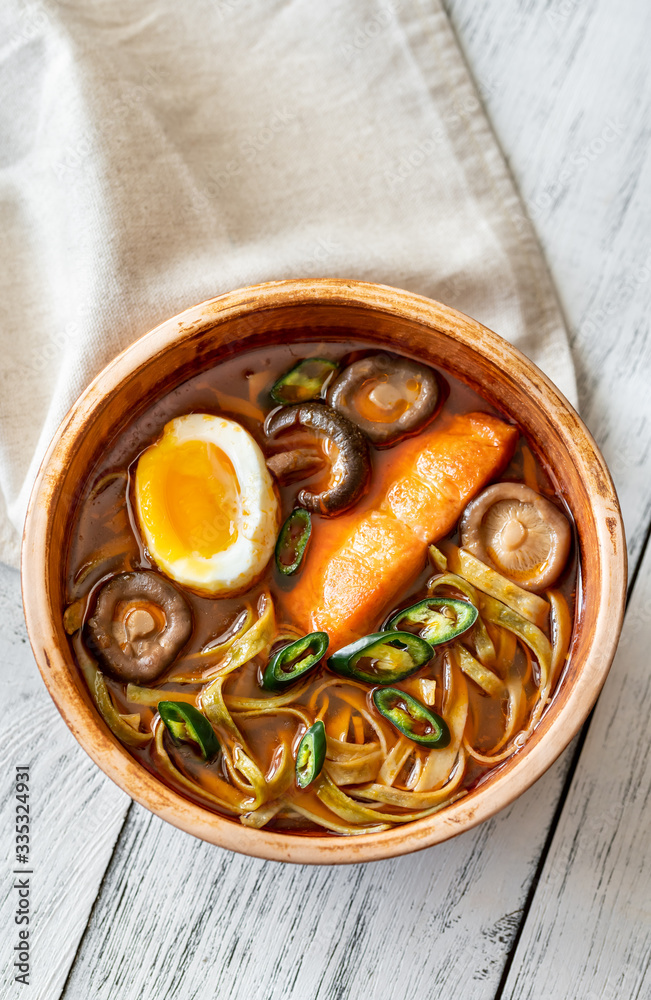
(189, 498)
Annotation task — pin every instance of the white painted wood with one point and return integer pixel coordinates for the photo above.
(567, 88)
(76, 814)
(447, 907)
(178, 918)
(588, 932)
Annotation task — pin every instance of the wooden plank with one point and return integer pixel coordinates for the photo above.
(566, 86)
(453, 909)
(482, 879)
(181, 919)
(76, 813)
(588, 932)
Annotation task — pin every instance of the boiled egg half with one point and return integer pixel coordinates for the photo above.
(206, 504)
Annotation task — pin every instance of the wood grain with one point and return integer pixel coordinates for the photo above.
(76, 812)
(588, 932)
(433, 333)
(182, 919)
(566, 86)
(550, 81)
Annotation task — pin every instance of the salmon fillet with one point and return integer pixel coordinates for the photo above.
(369, 559)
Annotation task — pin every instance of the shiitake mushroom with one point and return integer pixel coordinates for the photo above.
(519, 533)
(139, 624)
(345, 446)
(297, 463)
(386, 396)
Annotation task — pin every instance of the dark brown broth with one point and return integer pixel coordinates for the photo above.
(238, 388)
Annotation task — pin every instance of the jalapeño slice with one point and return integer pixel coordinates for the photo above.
(292, 541)
(411, 718)
(294, 661)
(310, 755)
(304, 381)
(381, 658)
(186, 724)
(436, 619)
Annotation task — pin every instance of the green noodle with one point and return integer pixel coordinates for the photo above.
(101, 696)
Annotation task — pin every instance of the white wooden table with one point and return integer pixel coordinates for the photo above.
(552, 898)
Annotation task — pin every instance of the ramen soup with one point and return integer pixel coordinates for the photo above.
(321, 587)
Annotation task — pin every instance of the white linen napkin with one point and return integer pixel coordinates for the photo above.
(155, 154)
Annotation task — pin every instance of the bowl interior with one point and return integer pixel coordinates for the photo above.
(240, 321)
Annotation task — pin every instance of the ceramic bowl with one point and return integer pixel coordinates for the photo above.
(252, 317)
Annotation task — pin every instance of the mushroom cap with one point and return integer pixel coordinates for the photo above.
(519, 533)
(344, 445)
(387, 396)
(139, 624)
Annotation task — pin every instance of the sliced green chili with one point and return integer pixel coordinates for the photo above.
(292, 541)
(186, 724)
(381, 658)
(437, 619)
(294, 661)
(411, 718)
(310, 754)
(304, 381)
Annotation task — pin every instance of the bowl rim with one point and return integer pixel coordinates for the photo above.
(140, 784)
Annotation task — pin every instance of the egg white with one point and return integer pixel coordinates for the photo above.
(236, 567)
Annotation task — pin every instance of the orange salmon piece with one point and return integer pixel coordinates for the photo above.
(368, 561)
(453, 464)
(341, 595)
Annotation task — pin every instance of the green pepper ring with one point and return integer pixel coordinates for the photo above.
(467, 616)
(311, 754)
(275, 678)
(344, 661)
(311, 385)
(414, 709)
(186, 724)
(298, 516)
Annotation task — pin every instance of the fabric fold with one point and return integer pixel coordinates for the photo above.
(155, 156)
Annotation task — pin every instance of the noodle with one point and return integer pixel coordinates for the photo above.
(561, 632)
(151, 696)
(119, 725)
(408, 800)
(439, 763)
(249, 642)
(302, 738)
(228, 798)
(349, 830)
(351, 811)
(472, 569)
(477, 672)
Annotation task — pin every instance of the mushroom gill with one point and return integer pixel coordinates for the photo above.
(386, 396)
(519, 533)
(139, 624)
